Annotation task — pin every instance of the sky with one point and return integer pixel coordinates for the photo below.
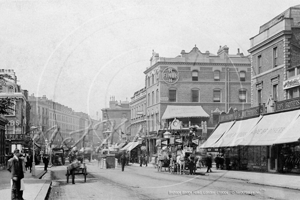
(81, 52)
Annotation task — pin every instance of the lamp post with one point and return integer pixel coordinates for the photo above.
(32, 129)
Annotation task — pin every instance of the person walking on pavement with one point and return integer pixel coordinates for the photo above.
(209, 163)
(45, 161)
(123, 160)
(15, 167)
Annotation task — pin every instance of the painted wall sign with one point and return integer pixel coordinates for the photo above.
(291, 83)
(15, 136)
(170, 75)
(287, 104)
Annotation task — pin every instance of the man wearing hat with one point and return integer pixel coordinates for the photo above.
(15, 167)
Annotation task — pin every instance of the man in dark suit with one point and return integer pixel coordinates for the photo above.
(123, 160)
(15, 167)
(46, 162)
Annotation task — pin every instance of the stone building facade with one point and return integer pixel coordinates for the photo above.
(275, 59)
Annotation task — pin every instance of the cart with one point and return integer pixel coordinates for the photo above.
(76, 171)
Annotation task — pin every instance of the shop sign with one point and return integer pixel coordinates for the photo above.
(14, 136)
(170, 75)
(291, 83)
(287, 104)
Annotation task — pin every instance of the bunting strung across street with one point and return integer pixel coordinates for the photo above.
(164, 142)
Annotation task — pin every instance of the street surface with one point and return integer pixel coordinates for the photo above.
(146, 183)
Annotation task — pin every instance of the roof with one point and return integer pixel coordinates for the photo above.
(184, 111)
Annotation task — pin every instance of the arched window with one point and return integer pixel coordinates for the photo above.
(195, 75)
(217, 95)
(243, 95)
(195, 95)
(242, 75)
(152, 79)
(157, 96)
(216, 75)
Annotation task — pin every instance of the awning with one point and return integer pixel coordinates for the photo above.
(122, 144)
(126, 147)
(269, 128)
(184, 111)
(132, 146)
(291, 133)
(237, 132)
(218, 132)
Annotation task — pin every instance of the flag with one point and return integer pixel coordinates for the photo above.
(164, 142)
(195, 141)
(178, 140)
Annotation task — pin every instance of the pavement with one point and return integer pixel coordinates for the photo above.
(290, 181)
(36, 187)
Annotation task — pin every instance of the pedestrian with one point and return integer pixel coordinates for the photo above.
(16, 166)
(146, 160)
(141, 160)
(217, 161)
(191, 165)
(29, 162)
(45, 161)
(123, 160)
(209, 163)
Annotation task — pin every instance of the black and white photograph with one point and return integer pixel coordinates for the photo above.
(149, 100)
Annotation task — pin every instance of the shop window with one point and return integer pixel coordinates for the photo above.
(242, 76)
(275, 92)
(243, 95)
(195, 75)
(217, 95)
(216, 75)
(195, 95)
(294, 92)
(259, 64)
(172, 95)
(275, 56)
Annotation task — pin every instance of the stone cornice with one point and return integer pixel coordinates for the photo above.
(196, 63)
(274, 37)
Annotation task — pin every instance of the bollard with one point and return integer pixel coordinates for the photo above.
(104, 163)
(116, 163)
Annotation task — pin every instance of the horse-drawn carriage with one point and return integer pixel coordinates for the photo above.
(76, 168)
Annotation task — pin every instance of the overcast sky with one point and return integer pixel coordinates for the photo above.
(79, 53)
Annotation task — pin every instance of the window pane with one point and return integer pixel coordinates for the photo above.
(194, 76)
(217, 75)
(275, 92)
(217, 95)
(291, 72)
(172, 95)
(242, 95)
(195, 95)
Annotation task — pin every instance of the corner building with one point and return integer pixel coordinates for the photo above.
(275, 58)
(195, 87)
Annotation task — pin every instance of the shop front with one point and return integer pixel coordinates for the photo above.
(260, 143)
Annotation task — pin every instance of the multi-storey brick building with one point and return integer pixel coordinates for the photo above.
(18, 116)
(138, 113)
(195, 87)
(116, 120)
(275, 58)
